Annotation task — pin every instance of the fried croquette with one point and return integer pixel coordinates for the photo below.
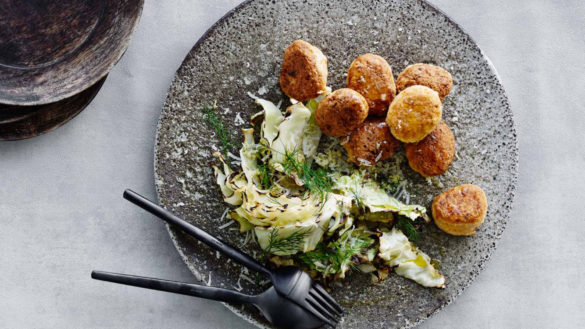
(414, 113)
(304, 71)
(341, 112)
(432, 155)
(371, 76)
(460, 210)
(434, 77)
(370, 143)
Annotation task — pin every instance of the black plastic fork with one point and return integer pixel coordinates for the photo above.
(279, 310)
(290, 282)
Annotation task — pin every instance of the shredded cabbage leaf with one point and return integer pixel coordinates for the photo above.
(273, 197)
(372, 196)
(272, 119)
(410, 262)
(290, 134)
(312, 132)
(289, 208)
(291, 238)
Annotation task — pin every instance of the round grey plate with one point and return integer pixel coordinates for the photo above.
(242, 53)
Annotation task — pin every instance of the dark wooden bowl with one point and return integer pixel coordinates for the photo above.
(51, 50)
(22, 122)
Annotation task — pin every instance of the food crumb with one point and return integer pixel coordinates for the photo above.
(238, 120)
(262, 90)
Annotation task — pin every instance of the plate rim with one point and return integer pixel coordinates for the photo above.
(514, 170)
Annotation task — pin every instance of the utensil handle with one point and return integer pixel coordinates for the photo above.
(195, 232)
(219, 294)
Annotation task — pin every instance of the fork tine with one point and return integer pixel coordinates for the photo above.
(320, 307)
(318, 310)
(327, 297)
(320, 316)
(323, 302)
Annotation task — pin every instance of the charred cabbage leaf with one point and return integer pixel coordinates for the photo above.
(410, 262)
(338, 256)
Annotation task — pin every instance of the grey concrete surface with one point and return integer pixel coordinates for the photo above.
(62, 215)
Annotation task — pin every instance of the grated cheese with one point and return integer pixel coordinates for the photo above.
(378, 157)
(364, 162)
(235, 157)
(224, 214)
(224, 226)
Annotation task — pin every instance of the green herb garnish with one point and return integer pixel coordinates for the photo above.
(315, 180)
(357, 197)
(223, 135)
(407, 227)
(265, 175)
(287, 245)
(337, 256)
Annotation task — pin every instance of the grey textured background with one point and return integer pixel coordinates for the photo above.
(62, 215)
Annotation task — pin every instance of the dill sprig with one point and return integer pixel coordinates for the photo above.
(286, 245)
(407, 227)
(224, 135)
(266, 173)
(315, 180)
(358, 199)
(337, 256)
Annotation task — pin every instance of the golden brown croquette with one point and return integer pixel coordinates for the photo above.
(370, 143)
(341, 112)
(304, 71)
(434, 77)
(432, 155)
(460, 210)
(414, 113)
(371, 76)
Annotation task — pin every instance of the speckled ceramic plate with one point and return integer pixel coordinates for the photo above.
(242, 53)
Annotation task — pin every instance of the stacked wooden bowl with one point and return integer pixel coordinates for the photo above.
(54, 58)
